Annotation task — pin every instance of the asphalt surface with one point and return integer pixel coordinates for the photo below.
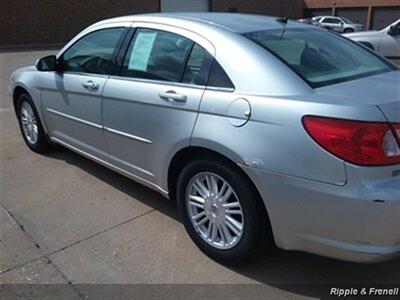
(65, 219)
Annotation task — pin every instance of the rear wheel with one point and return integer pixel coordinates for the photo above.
(222, 212)
(31, 128)
(348, 30)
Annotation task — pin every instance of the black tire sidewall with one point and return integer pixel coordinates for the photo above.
(41, 144)
(255, 234)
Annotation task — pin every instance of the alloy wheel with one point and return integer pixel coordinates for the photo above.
(214, 210)
(29, 123)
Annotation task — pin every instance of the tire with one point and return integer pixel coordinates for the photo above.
(256, 235)
(30, 125)
(348, 30)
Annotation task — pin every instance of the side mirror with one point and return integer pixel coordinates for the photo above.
(394, 30)
(48, 64)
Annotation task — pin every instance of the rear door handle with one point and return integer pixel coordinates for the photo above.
(173, 96)
(90, 85)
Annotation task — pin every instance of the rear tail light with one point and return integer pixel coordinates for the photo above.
(357, 142)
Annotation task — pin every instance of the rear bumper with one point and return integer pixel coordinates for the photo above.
(355, 222)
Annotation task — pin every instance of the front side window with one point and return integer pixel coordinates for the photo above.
(320, 57)
(93, 53)
(157, 55)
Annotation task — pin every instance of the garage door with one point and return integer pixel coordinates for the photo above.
(317, 12)
(185, 5)
(384, 16)
(357, 15)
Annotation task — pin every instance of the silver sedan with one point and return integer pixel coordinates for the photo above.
(265, 131)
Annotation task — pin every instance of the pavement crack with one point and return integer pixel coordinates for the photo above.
(47, 255)
(43, 258)
(69, 282)
(21, 226)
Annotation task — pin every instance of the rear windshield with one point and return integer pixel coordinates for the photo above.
(320, 57)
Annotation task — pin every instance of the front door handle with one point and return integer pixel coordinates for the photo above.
(173, 96)
(90, 85)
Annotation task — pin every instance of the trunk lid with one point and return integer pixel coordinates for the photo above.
(382, 90)
(391, 111)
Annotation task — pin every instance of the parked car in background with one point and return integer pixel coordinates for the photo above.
(338, 24)
(298, 145)
(386, 41)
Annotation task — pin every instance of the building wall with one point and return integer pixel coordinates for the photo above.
(45, 22)
(28, 23)
(356, 14)
(382, 17)
(375, 14)
(349, 3)
(282, 8)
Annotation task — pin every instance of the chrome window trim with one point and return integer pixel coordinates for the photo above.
(111, 166)
(187, 33)
(131, 136)
(220, 89)
(74, 118)
(86, 74)
(161, 82)
(172, 83)
(193, 36)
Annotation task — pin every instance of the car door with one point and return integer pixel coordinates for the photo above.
(150, 109)
(390, 44)
(71, 97)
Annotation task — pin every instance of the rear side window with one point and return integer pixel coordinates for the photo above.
(161, 55)
(195, 67)
(93, 53)
(219, 78)
(157, 55)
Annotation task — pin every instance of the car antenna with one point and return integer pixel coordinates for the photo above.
(284, 21)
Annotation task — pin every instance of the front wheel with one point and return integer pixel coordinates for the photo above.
(31, 128)
(222, 212)
(348, 30)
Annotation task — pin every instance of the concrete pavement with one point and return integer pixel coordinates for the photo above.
(65, 219)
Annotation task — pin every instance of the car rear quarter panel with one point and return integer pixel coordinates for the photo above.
(274, 143)
(274, 139)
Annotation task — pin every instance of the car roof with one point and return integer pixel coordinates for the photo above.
(335, 17)
(235, 22)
